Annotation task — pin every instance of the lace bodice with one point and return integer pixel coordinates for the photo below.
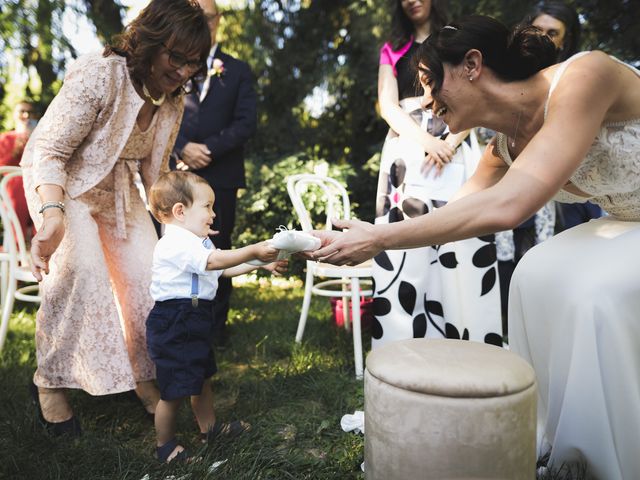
(140, 143)
(610, 172)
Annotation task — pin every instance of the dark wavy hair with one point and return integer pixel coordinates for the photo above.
(511, 55)
(402, 29)
(169, 22)
(568, 16)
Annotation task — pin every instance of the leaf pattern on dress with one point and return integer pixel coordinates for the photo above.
(383, 260)
(376, 329)
(381, 306)
(407, 296)
(488, 281)
(395, 215)
(413, 207)
(493, 339)
(448, 260)
(485, 256)
(397, 173)
(420, 326)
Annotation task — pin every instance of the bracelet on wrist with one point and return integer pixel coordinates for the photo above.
(47, 205)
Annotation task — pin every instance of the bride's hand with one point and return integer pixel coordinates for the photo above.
(351, 247)
(325, 236)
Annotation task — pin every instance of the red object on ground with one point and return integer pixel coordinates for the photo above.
(366, 311)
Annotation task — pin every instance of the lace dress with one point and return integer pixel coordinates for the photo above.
(90, 329)
(444, 291)
(575, 314)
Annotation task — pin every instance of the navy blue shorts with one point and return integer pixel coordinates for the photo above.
(179, 340)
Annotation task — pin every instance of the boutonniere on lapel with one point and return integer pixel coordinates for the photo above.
(217, 69)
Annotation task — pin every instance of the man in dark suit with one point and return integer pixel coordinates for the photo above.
(219, 118)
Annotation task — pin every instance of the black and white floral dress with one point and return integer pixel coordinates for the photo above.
(449, 290)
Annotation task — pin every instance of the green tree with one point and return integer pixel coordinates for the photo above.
(316, 67)
(31, 31)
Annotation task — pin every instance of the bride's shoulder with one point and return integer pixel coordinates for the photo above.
(592, 63)
(590, 70)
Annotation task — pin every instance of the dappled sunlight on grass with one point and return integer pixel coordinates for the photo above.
(293, 394)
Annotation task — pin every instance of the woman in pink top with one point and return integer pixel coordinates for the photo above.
(116, 115)
(449, 290)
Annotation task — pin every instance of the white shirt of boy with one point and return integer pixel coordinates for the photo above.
(177, 255)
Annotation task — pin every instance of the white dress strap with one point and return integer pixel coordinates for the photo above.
(556, 77)
(563, 66)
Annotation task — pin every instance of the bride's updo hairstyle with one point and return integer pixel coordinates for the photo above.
(511, 55)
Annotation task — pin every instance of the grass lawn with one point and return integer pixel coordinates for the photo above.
(293, 395)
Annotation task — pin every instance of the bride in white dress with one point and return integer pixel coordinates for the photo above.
(569, 131)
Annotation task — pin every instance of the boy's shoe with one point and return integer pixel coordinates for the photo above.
(223, 429)
(164, 452)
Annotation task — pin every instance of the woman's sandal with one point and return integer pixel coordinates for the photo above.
(164, 452)
(222, 429)
(69, 427)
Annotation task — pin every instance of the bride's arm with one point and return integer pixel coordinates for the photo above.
(490, 170)
(576, 112)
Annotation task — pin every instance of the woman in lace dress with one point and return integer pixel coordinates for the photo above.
(441, 291)
(116, 115)
(572, 131)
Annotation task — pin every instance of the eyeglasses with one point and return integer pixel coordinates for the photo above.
(178, 60)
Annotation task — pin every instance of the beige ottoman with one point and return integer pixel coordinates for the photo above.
(448, 409)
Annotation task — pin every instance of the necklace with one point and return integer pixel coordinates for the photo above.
(513, 140)
(157, 102)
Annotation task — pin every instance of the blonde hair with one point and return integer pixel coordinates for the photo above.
(169, 189)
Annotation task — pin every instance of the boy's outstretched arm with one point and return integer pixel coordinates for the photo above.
(277, 268)
(224, 259)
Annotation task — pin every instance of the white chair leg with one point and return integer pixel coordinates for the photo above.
(306, 302)
(4, 275)
(345, 304)
(7, 308)
(355, 320)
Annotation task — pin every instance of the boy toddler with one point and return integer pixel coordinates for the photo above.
(185, 275)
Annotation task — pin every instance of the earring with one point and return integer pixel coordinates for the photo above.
(471, 79)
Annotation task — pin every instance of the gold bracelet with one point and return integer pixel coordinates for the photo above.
(47, 205)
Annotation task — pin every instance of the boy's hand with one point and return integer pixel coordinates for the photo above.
(278, 268)
(265, 252)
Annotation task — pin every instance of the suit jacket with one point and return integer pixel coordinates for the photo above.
(80, 137)
(224, 121)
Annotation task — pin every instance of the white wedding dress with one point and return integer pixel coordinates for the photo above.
(575, 314)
